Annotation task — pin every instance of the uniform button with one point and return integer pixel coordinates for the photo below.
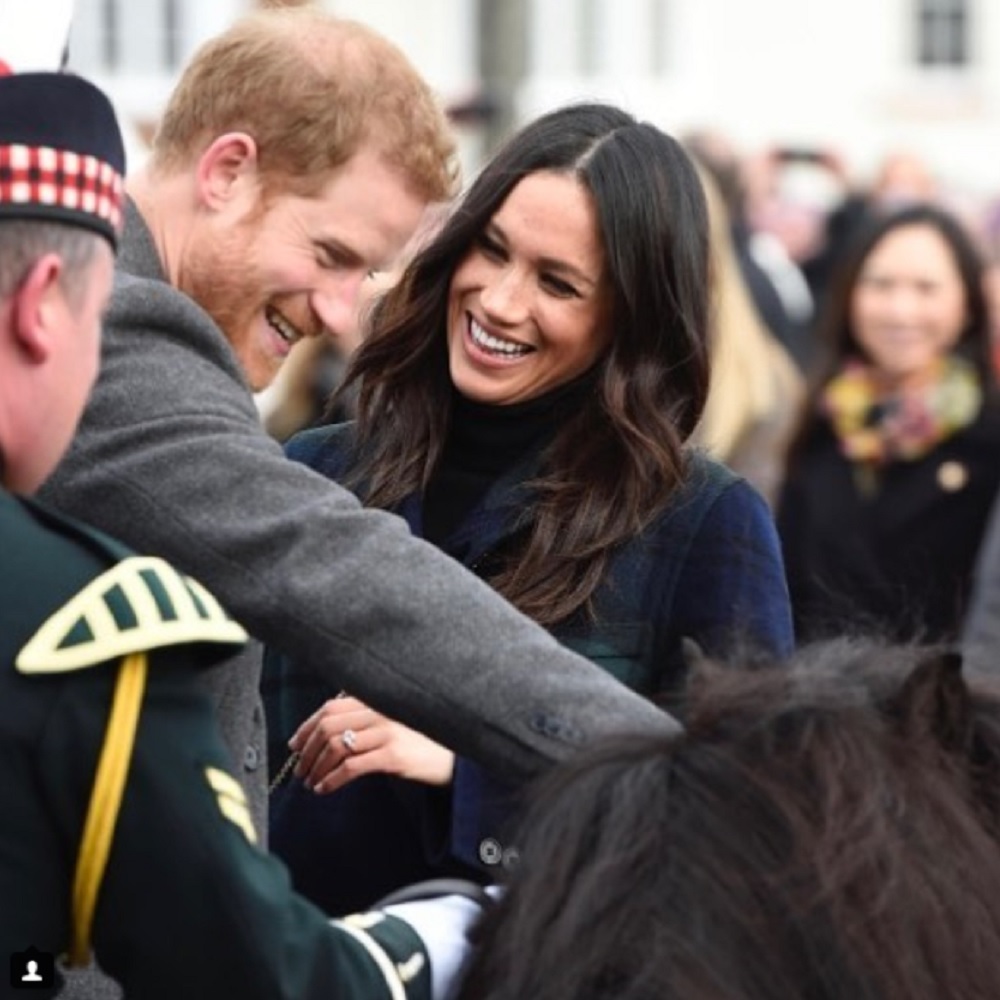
(251, 758)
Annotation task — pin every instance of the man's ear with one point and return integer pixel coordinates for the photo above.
(933, 702)
(35, 306)
(227, 170)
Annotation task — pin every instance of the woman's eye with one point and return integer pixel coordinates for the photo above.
(559, 287)
(490, 247)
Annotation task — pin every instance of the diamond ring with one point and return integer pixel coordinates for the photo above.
(350, 740)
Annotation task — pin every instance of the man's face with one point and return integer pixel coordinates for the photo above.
(291, 266)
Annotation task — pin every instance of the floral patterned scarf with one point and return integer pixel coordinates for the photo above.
(875, 427)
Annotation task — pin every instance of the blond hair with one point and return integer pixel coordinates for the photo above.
(754, 382)
(311, 89)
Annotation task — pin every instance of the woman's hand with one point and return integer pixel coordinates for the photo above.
(344, 739)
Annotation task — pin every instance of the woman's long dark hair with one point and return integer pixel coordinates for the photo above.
(612, 467)
(835, 333)
(814, 833)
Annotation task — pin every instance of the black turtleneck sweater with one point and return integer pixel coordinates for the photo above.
(484, 442)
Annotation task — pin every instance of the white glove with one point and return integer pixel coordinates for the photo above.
(443, 924)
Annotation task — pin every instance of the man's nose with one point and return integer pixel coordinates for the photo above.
(336, 302)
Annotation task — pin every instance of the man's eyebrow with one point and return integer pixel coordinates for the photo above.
(338, 251)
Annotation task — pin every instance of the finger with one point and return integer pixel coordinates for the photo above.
(301, 735)
(338, 752)
(322, 740)
(351, 767)
(332, 706)
(323, 763)
(329, 721)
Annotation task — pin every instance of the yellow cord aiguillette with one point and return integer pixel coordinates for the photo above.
(105, 801)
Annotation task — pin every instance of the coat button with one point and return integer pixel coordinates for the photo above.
(490, 851)
(251, 758)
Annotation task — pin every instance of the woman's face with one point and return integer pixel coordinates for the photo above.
(909, 305)
(529, 307)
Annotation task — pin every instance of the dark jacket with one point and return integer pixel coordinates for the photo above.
(709, 567)
(188, 906)
(895, 559)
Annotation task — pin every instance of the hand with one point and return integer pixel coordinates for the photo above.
(379, 745)
(443, 924)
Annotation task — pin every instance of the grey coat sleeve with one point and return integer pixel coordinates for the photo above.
(171, 459)
(981, 631)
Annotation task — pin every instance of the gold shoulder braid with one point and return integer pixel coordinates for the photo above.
(105, 802)
(141, 603)
(138, 605)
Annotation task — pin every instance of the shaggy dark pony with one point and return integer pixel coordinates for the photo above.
(824, 830)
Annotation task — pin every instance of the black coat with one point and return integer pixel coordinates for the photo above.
(708, 567)
(898, 558)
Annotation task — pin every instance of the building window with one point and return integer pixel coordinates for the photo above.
(601, 37)
(131, 39)
(110, 35)
(172, 34)
(589, 59)
(943, 33)
(658, 36)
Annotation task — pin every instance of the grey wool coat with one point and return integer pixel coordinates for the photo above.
(171, 459)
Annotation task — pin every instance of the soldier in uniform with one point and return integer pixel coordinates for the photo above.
(123, 833)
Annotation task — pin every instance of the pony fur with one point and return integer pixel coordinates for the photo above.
(824, 829)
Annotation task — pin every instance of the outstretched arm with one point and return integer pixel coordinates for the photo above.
(171, 459)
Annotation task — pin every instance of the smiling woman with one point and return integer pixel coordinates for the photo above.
(526, 394)
(530, 306)
(891, 477)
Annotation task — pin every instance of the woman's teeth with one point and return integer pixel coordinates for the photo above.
(493, 344)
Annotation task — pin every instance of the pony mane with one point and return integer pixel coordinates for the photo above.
(818, 831)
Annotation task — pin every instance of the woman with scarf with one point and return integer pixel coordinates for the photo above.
(894, 467)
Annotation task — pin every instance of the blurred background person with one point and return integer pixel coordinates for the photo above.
(893, 468)
(756, 390)
(780, 302)
(902, 178)
(527, 392)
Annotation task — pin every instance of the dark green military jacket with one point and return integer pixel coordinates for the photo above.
(188, 906)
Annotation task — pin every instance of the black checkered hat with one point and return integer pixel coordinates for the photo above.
(61, 152)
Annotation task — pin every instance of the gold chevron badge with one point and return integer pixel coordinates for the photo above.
(232, 801)
(142, 603)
